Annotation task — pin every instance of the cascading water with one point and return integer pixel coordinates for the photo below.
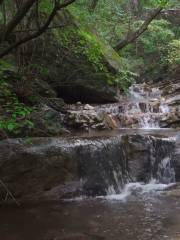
(150, 103)
(143, 108)
(119, 164)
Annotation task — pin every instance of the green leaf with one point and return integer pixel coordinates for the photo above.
(10, 126)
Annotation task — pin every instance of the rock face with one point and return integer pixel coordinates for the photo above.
(91, 166)
(86, 117)
(145, 107)
(79, 65)
(176, 158)
(172, 95)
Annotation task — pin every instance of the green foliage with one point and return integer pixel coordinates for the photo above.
(125, 79)
(156, 39)
(162, 3)
(111, 20)
(158, 3)
(82, 43)
(13, 113)
(46, 6)
(40, 69)
(91, 48)
(151, 48)
(174, 54)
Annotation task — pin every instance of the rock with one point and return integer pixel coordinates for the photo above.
(143, 106)
(57, 104)
(110, 122)
(173, 191)
(72, 74)
(66, 167)
(79, 103)
(176, 159)
(47, 122)
(88, 107)
(99, 126)
(85, 117)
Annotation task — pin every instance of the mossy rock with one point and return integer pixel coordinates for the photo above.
(77, 64)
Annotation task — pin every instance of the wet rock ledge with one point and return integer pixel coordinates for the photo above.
(57, 168)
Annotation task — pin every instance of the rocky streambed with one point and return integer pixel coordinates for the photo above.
(144, 107)
(131, 147)
(117, 183)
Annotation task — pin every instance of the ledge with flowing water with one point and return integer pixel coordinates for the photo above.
(145, 107)
(86, 165)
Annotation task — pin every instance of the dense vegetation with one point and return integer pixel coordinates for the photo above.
(112, 21)
(147, 43)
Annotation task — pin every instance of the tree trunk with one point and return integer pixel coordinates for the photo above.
(40, 31)
(131, 37)
(16, 19)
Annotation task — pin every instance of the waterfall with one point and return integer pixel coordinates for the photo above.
(159, 171)
(108, 165)
(120, 164)
(144, 107)
(150, 105)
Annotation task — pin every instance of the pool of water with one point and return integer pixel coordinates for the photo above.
(152, 216)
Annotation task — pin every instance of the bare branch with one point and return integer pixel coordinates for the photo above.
(36, 29)
(9, 192)
(40, 31)
(21, 13)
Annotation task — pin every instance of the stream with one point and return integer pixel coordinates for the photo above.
(150, 216)
(128, 180)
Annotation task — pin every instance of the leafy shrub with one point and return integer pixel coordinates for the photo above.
(174, 54)
(156, 39)
(13, 113)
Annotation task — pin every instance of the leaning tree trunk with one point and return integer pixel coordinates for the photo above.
(132, 36)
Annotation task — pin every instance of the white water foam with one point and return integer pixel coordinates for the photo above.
(137, 188)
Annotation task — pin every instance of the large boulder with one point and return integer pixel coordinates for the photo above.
(78, 65)
(171, 94)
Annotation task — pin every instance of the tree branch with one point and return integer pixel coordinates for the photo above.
(36, 29)
(93, 5)
(131, 37)
(40, 31)
(21, 13)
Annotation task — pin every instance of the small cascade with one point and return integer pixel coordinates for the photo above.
(158, 169)
(144, 107)
(107, 166)
(135, 158)
(161, 164)
(150, 103)
(138, 188)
